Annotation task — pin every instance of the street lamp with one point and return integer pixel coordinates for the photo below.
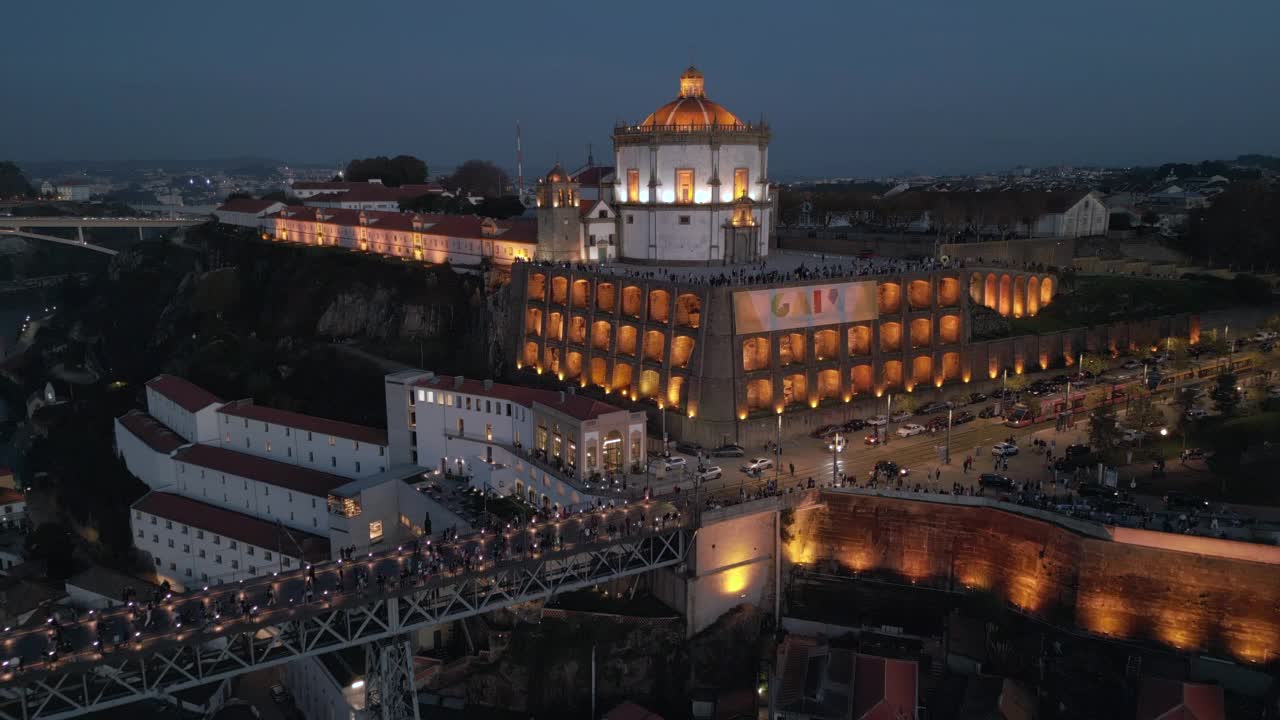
(837, 446)
(888, 410)
(946, 455)
(777, 449)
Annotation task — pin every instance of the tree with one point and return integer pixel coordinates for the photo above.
(13, 183)
(1186, 401)
(281, 196)
(238, 195)
(52, 544)
(500, 208)
(480, 177)
(1143, 412)
(1216, 345)
(1093, 363)
(1225, 396)
(1104, 429)
(1150, 218)
(1016, 382)
(905, 402)
(393, 172)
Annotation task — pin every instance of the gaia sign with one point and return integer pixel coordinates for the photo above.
(797, 307)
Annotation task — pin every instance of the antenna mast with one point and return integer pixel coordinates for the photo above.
(519, 163)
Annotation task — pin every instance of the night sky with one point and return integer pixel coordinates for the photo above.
(851, 88)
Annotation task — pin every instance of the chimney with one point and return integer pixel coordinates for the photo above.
(457, 381)
(488, 383)
(561, 397)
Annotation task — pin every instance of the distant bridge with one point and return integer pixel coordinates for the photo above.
(62, 670)
(25, 227)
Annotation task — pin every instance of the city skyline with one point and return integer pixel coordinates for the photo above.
(946, 92)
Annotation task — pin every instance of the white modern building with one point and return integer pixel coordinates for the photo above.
(186, 408)
(246, 212)
(554, 449)
(1073, 216)
(330, 446)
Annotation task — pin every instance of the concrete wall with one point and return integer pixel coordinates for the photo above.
(1048, 251)
(1205, 601)
(733, 563)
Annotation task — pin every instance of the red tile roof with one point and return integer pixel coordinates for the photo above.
(188, 395)
(322, 426)
(9, 496)
(231, 524)
(1160, 699)
(247, 205)
(592, 175)
(883, 689)
(368, 192)
(151, 431)
(576, 406)
(293, 477)
(461, 226)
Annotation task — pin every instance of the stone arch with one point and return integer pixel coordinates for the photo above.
(828, 384)
(949, 329)
(860, 340)
(1019, 296)
(599, 372)
(1033, 296)
(654, 343)
(890, 337)
(920, 294)
(533, 321)
(891, 374)
(605, 301)
(688, 310)
(1046, 291)
(755, 353)
(573, 365)
(921, 332)
(578, 330)
(551, 360)
(1006, 296)
(675, 391)
(759, 394)
(795, 389)
(951, 366)
(601, 331)
(581, 293)
(555, 326)
(538, 287)
(861, 379)
(627, 340)
(631, 300)
(826, 345)
(621, 378)
(975, 288)
(681, 351)
(650, 383)
(889, 298)
(790, 348)
(921, 370)
(948, 292)
(530, 358)
(990, 293)
(559, 289)
(659, 306)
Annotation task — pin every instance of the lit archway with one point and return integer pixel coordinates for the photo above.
(1033, 296)
(1006, 296)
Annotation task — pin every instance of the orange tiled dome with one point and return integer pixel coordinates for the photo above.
(692, 108)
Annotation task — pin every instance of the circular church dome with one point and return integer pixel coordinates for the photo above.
(692, 108)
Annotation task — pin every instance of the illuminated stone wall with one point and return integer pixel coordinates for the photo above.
(1219, 605)
(732, 564)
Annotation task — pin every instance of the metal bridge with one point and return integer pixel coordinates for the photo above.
(24, 227)
(62, 669)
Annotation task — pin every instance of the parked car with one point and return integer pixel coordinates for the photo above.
(1197, 414)
(1191, 454)
(756, 465)
(1178, 500)
(688, 448)
(729, 451)
(961, 418)
(1004, 449)
(279, 694)
(854, 425)
(1096, 490)
(988, 412)
(910, 429)
(995, 481)
(877, 421)
(936, 423)
(931, 408)
(1131, 436)
(712, 473)
(900, 416)
(975, 398)
(1077, 450)
(824, 432)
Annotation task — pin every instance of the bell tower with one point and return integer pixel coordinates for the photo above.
(559, 220)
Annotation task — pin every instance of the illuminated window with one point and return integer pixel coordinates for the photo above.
(375, 531)
(739, 183)
(684, 186)
(633, 186)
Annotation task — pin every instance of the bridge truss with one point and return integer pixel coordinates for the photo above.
(162, 666)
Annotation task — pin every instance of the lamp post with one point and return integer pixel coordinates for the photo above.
(946, 455)
(662, 411)
(888, 410)
(837, 447)
(777, 449)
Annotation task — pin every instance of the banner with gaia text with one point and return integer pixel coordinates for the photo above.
(798, 307)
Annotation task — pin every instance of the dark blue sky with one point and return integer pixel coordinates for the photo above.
(860, 88)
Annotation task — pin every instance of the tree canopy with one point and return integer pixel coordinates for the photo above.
(480, 177)
(12, 182)
(393, 172)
